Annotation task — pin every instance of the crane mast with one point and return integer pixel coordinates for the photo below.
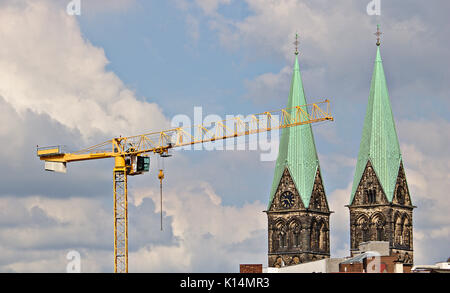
(131, 154)
(120, 216)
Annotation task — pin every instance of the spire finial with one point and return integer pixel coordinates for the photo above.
(378, 34)
(296, 43)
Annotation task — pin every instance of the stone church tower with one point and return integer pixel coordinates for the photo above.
(380, 204)
(298, 213)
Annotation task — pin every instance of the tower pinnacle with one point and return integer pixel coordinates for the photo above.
(296, 43)
(378, 34)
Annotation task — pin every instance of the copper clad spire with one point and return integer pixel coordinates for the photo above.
(297, 149)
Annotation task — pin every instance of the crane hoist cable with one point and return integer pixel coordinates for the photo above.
(161, 177)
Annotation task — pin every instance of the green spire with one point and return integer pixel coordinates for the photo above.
(379, 142)
(297, 150)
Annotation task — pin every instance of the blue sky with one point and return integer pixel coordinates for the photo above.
(129, 66)
(151, 49)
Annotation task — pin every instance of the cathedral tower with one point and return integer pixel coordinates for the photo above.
(380, 204)
(298, 213)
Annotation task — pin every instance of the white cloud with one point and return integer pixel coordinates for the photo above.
(106, 5)
(340, 221)
(160, 259)
(193, 30)
(270, 26)
(335, 35)
(269, 86)
(46, 66)
(211, 6)
(427, 169)
(37, 232)
(54, 87)
(200, 234)
(204, 229)
(54, 83)
(334, 162)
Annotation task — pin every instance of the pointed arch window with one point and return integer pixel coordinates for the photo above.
(282, 237)
(295, 234)
(296, 239)
(380, 230)
(315, 236)
(365, 233)
(398, 231)
(362, 230)
(323, 238)
(401, 195)
(406, 235)
(371, 196)
(279, 236)
(275, 242)
(377, 227)
(380, 234)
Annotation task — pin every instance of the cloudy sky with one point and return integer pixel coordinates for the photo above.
(124, 67)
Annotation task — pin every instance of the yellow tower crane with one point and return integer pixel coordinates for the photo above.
(131, 155)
